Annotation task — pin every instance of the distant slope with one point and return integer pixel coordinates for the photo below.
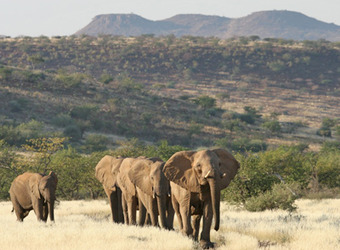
(274, 24)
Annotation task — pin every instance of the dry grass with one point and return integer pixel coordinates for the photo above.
(86, 225)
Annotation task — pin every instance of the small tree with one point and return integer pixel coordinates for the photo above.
(43, 149)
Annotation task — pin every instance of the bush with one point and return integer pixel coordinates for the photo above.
(324, 131)
(205, 102)
(73, 132)
(31, 129)
(280, 197)
(83, 112)
(242, 145)
(18, 105)
(71, 80)
(261, 171)
(105, 78)
(272, 125)
(62, 120)
(95, 143)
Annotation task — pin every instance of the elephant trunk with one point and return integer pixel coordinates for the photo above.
(215, 200)
(161, 203)
(50, 205)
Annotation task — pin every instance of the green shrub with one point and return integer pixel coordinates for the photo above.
(205, 102)
(95, 143)
(106, 78)
(70, 80)
(32, 76)
(83, 112)
(279, 197)
(242, 144)
(5, 73)
(272, 125)
(31, 129)
(324, 131)
(73, 132)
(62, 120)
(18, 105)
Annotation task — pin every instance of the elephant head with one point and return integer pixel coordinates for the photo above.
(197, 170)
(148, 176)
(44, 188)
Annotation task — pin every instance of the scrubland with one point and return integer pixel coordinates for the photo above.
(87, 225)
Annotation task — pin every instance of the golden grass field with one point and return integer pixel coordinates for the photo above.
(87, 225)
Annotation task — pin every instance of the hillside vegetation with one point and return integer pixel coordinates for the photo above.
(190, 91)
(155, 96)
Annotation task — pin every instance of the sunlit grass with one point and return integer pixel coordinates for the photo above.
(87, 225)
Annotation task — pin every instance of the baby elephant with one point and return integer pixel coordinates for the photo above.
(34, 191)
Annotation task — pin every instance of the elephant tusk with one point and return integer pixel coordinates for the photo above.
(223, 175)
(206, 176)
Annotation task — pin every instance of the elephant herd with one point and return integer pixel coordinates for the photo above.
(188, 185)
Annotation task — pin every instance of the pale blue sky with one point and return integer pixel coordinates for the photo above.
(65, 17)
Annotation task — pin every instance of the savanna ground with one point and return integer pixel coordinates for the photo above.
(86, 225)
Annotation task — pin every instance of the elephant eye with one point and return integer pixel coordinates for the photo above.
(199, 169)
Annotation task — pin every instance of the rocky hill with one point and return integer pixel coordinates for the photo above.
(273, 24)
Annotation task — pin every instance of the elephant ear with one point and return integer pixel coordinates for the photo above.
(139, 175)
(33, 184)
(54, 176)
(229, 166)
(107, 170)
(123, 179)
(178, 169)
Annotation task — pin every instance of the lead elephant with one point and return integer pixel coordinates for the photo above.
(106, 172)
(153, 190)
(197, 178)
(34, 191)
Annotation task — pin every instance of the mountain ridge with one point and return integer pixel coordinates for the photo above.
(265, 24)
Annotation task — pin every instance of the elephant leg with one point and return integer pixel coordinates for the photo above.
(185, 212)
(207, 221)
(19, 211)
(175, 206)
(132, 207)
(119, 206)
(141, 214)
(125, 209)
(196, 225)
(154, 213)
(170, 215)
(147, 220)
(38, 208)
(113, 199)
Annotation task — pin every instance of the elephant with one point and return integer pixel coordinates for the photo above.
(106, 172)
(34, 191)
(153, 190)
(130, 202)
(196, 179)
